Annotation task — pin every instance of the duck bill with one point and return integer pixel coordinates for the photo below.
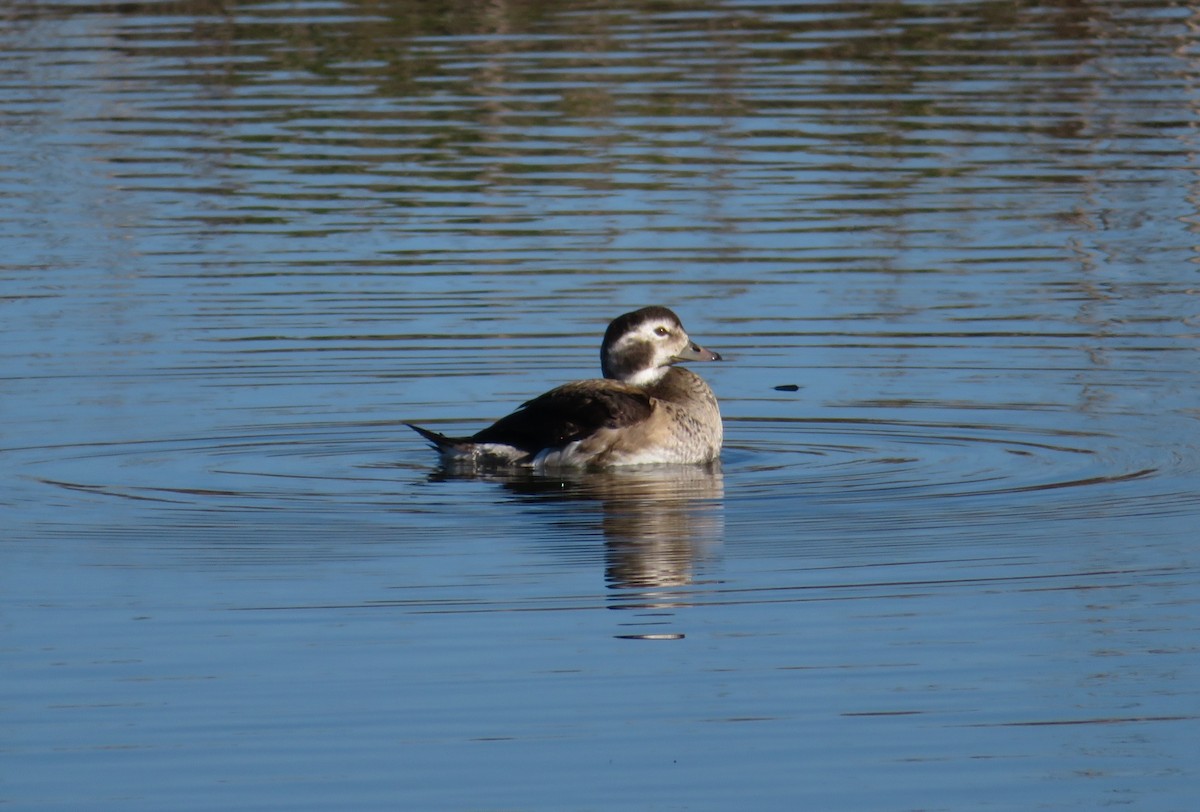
(694, 352)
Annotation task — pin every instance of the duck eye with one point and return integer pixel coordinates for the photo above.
(661, 331)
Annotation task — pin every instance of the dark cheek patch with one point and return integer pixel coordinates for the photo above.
(633, 360)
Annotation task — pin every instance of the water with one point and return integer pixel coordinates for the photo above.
(948, 560)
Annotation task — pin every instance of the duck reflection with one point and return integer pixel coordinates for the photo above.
(658, 525)
(658, 522)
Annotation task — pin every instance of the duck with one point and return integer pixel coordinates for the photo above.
(645, 410)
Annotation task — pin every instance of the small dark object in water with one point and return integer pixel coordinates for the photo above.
(787, 387)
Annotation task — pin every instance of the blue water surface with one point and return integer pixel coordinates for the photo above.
(948, 559)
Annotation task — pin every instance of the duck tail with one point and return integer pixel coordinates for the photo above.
(467, 450)
(439, 441)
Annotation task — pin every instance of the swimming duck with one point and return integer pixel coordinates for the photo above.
(644, 410)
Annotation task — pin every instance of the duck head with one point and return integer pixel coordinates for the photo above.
(640, 347)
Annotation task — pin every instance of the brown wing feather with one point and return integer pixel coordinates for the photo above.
(568, 413)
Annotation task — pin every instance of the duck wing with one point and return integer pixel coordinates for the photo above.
(568, 413)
